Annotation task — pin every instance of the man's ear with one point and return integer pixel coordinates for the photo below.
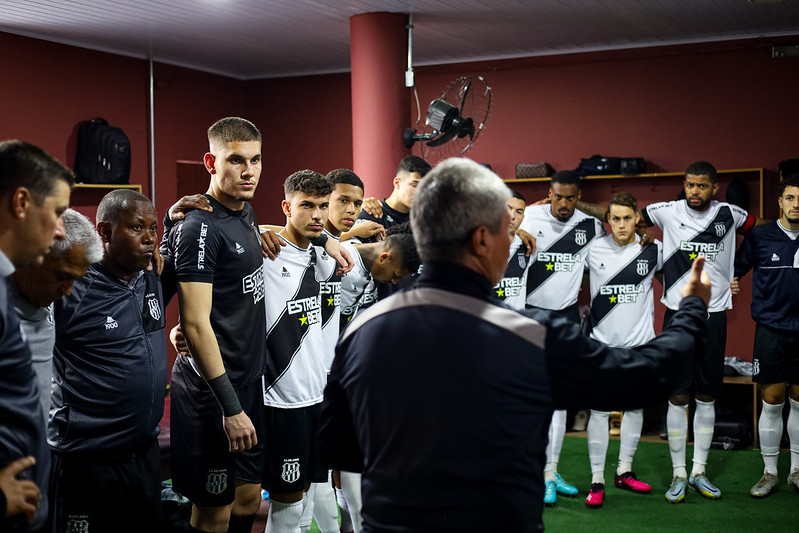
(21, 200)
(209, 160)
(384, 257)
(397, 181)
(104, 230)
(480, 241)
(638, 219)
(286, 208)
(715, 188)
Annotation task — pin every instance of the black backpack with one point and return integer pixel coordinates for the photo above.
(103, 153)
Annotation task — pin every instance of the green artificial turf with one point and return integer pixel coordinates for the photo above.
(733, 472)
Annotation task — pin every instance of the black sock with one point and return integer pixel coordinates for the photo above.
(240, 523)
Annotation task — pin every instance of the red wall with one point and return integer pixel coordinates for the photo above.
(729, 103)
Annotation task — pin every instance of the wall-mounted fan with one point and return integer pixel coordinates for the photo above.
(454, 120)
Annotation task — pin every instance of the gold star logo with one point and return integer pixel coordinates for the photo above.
(500, 292)
(550, 266)
(692, 256)
(303, 320)
(613, 299)
(330, 300)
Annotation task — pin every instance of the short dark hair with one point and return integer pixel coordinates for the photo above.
(703, 168)
(115, 203)
(413, 164)
(233, 129)
(307, 182)
(624, 199)
(517, 195)
(566, 177)
(399, 239)
(345, 176)
(26, 165)
(791, 180)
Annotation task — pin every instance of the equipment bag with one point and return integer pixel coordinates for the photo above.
(103, 154)
(598, 165)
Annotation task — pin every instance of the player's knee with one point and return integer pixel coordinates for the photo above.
(679, 400)
(211, 519)
(772, 393)
(286, 497)
(702, 397)
(248, 499)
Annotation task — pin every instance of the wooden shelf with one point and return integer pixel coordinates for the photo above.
(107, 186)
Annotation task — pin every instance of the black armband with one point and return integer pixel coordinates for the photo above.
(226, 395)
(320, 240)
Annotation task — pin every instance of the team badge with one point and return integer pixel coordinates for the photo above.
(217, 482)
(721, 229)
(77, 526)
(522, 260)
(291, 471)
(580, 237)
(642, 267)
(155, 309)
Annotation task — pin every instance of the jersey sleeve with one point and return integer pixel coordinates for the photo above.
(743, 220)
(653, 213)
(196, 246)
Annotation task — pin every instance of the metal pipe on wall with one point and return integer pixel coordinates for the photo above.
(152, 133)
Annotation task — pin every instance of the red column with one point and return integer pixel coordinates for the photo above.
(381, 105)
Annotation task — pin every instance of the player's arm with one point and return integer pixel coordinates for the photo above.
(373, 206)
(18, 496)
(365, 229)
(528, 240)
(595, 210)
(195, 321)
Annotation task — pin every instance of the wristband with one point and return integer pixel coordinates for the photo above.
(226, 395)
(320, 240)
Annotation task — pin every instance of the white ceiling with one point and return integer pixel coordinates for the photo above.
(271, 38)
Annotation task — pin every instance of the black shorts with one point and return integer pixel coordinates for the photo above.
(203, 470)
(705, 370)
(107, 491)
(776, 356)
(291, 449)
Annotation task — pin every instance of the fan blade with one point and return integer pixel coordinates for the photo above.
(444, 138)
(463, 98)
(466, 128)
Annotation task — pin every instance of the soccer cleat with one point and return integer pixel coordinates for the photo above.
(793, 479)
(703, 486)
(676, 492)
(550, 494)
(596, 496)
(768, 485)
(564, 488)
(629, 481)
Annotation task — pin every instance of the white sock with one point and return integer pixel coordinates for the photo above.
(346, 520)
(704, 422)
(631, 424)
(677, 427)
(351, 487)
(598, 444)
(307, 509)
(793, 434)
(769, 428)
(283, 517)
(557, 430)
(325, 511)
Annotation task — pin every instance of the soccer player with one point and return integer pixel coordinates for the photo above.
(345, 205)
(772, 250)
(512, 288)
(563, 234)
(622, 314)
(216, 391)
(295, 374)
(697, 226)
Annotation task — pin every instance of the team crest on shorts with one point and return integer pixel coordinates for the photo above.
(77, 526)
(291, 471)
(155, 309)
(755, 367)
(217, 482)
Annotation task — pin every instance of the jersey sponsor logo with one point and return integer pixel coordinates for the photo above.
(509, 287)
(559, 262)
(627, 293)
(642, 267)
(110, 323)
(625, 286)
(78, 525)
(331, 293)
(155, 308)
(309, 309)
(291, 470)
(254, 283)
(710, 250)
(239, 249)
(216, 482)
(201, 246)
